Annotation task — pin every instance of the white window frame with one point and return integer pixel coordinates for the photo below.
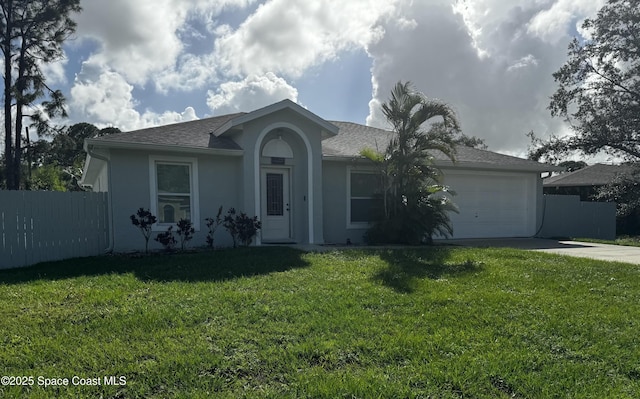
(350, 170)
(194, 193)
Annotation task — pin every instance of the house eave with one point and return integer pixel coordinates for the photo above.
(89, 171)
(489, 166)
(556, 185)
(92, 143)
(342, 158)
(460, 164)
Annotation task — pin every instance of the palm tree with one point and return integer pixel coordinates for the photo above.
(413, 201)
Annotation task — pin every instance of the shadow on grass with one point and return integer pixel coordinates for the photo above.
(406, 267)
(218, 265)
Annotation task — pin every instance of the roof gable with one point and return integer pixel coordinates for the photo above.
(328, 129)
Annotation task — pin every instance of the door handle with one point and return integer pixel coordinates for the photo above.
(287, 207)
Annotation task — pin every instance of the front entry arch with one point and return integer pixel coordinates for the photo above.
(258, 175)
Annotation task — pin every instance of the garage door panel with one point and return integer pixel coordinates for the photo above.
(493, 204)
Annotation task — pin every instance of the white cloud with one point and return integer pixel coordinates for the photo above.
(54, 72)
(552, 24)
(250, 93)
(524, 62)
(491, 59)
(192, 72)
(107, 100)
(288, 37)
(136, 37)
(141, 38)
(483, 58)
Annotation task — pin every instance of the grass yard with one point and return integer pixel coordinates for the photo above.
(275, 322)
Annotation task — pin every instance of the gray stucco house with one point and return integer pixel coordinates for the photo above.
(302, 175)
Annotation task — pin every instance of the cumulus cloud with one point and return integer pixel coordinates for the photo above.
(136, 37)
(288, 37)
(191, 72)
(552, 24)
(491, 59)
(107, 100)
(55, 73)
(141, 38)
(250, 93)
(482, 57)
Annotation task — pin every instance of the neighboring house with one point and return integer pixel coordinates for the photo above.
(583, 182)
(303, 176)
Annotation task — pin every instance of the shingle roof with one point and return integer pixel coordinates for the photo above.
(195, 133)
(354, 137)
(592, 175)
(349, 141)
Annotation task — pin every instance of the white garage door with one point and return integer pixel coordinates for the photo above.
(493, 204)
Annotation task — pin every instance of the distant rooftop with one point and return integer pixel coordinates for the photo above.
(592, 175)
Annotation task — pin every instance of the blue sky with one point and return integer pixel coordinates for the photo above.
(135, 64)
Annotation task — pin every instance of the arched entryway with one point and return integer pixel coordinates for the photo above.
(284, 184)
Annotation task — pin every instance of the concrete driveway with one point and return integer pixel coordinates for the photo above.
(615, 253)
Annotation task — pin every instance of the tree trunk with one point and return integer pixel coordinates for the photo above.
(17, 150)
(29, 158)
(8, 85)
(20, 89)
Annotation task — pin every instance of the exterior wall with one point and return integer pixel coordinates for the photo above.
(335, 221)
(298, 132)
(130, 172)
(228, 181)
(539, 203)
(478, 218)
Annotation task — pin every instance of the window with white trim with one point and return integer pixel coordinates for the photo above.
(365, 202)
(173, 190)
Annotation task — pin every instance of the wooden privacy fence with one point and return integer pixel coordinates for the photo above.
(567, 216)
(39, 226)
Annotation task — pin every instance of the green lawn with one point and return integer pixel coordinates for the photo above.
(275, 322)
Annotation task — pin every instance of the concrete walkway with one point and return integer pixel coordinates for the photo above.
(615, 253)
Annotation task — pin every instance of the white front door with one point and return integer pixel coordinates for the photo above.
(276, 223)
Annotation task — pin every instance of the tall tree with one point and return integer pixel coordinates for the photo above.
(572, 166)
(62, 157)
(33, 32)
(414, 203)
(599, 87)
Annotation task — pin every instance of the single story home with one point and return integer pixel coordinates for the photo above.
(303, 176)
(583, 182)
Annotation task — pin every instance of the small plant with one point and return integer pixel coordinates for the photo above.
(229, 223)
(144, 219)
(185, 232)
(247, 228)
(212, 225)
(241, 227)
(167, 239)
